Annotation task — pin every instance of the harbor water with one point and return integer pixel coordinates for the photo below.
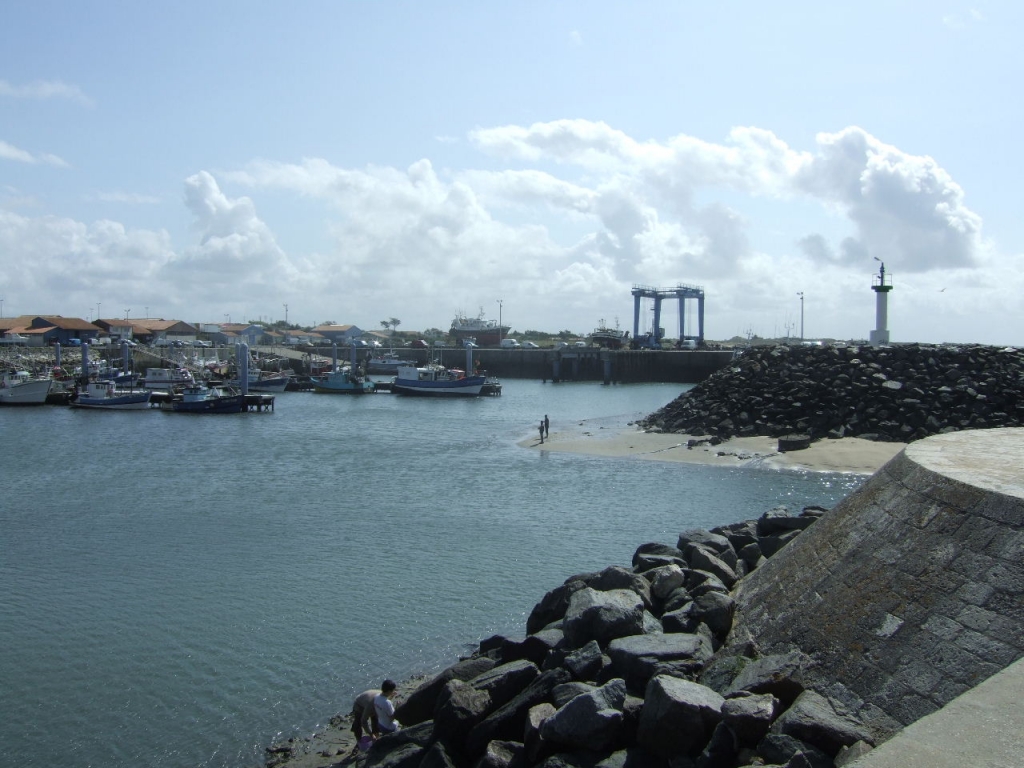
(181, 590)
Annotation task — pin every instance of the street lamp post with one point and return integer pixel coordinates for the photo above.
(801, 295)
(500, 302)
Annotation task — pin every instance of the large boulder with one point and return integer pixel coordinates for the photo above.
(679, 716)
(402, 749)
(749, 716)
(616, 577)
(639, 658)
(503, 682)
(821, 722)
(552, 606)
(419, 705)
(591, 720)
(602, 616)
(459, 707)
(509, 721)
(781, 675)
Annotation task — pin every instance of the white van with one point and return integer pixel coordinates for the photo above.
(509, 344)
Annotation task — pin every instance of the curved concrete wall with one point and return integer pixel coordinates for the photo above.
(911, 590)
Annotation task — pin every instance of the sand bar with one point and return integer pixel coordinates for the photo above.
(849, 454)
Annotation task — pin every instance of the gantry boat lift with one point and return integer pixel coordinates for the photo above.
(681, 293)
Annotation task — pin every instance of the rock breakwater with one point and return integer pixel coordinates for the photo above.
(900, 393)
(628, 666)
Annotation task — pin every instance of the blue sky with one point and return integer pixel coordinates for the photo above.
(363, 161)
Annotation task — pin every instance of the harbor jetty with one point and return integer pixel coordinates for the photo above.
(804, 639)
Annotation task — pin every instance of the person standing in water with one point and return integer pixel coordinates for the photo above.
(541, 431)
(547, 424)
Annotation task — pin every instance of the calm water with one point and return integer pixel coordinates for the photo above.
(182, 590)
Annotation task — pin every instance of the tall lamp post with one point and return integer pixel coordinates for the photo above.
(801, 295)
(500, 302)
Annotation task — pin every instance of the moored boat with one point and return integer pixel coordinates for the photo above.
(435, 380)
(168, 378)
(21, 388)
(199, 398)
(609, 338)
(103, 395)
(386, 364)
(483, 332)
(342, 381)
(264, 381)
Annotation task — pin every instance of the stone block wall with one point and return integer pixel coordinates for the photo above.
(911, 590)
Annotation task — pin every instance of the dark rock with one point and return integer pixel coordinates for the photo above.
(780, 675)
(603, 616)
(509, 721)
(552, 606)
(636, 659)
(591, 720)
(776, 748)
(437, 756)
(584, 663)
(503, 683)
(678, 716)
(502, 754)
(534, 648)
(459, 707)
(419, 706)
(404, 749)
(654, 554)
(750, 715)
(816, 720)
(716, 610)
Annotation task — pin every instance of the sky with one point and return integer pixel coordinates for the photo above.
(354, 162)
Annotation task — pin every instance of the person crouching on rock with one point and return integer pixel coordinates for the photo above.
(385, 709)
(364, 715)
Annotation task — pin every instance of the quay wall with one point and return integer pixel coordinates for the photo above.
(911, 590)
(594, 364)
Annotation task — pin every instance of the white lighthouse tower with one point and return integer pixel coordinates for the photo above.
(881, 287)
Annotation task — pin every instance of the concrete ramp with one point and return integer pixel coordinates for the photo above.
(910, 591)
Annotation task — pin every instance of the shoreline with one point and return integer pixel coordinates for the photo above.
(851, 455)
(334, 745)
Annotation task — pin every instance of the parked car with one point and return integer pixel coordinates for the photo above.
(439, 343)
(529, 345)
(419, 344)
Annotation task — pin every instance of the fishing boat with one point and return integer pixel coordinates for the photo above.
(341, 381)
(264, 381)
(103, 395)
(21, 388)
(200, 398)
(386, 364)
(484, 332)
(609, 338)
(435, 380)
(168, 378)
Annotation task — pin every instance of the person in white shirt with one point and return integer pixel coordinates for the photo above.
(385, 709)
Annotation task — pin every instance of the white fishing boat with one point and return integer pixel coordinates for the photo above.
(435, 380)
(21, 388)
(166, 379)
(103, 395)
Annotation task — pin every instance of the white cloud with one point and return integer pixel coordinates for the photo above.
(575, 38)
(45, 89)
(562, 238)
(11, 152)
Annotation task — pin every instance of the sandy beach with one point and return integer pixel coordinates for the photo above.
(849, 454)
